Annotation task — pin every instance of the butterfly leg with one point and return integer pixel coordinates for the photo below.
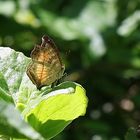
(54, 84)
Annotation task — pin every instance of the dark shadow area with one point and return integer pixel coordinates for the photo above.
(48, 129)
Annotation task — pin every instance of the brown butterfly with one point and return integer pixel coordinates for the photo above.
(46, 66)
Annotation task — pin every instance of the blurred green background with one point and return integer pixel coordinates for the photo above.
(99, 41)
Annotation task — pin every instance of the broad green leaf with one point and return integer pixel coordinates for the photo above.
(57, 109)
(12, 124)
(13, 73)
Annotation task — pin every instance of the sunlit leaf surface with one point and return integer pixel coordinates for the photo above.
(47, 110)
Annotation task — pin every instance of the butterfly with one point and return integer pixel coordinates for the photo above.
(46, 66)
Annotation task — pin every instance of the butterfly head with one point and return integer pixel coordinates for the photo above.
(46, 40)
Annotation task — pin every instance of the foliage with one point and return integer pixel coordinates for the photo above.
(99, 41)
(48, 111)
(131, 134)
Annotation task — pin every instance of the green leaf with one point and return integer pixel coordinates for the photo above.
(12, 67)
(57, 109)
(131, 134)
(12, 124)
(4, 91)
(13, 73)
(3, 83)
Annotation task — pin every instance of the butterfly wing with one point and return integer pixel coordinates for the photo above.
(46, 66)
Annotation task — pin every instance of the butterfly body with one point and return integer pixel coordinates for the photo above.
(46, 66)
